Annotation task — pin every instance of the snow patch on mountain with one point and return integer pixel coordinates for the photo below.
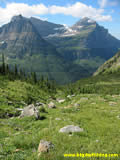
(91, 21)
(2, 42)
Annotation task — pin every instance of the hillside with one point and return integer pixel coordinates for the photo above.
(98, 113)
(112, 66)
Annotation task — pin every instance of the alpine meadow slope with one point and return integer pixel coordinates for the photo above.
(92, 105)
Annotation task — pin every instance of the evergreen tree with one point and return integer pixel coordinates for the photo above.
(34, 77)
(3, 64)
(16, 70)
(7, 68)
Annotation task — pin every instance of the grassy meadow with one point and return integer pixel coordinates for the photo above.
(98, 113)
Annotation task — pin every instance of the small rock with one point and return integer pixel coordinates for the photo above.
(57, 119)
(93, 103)
(71, 129)
(118, 116)
(112, 103)
(39, 104)
(73, 95)
(44, 146)
(69, 96)
(17, 150)
(51, 105)
(60, 100)
(84, 99)
(77, 105)
(30, 111)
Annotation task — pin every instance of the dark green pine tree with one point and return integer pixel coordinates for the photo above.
(16, 70)
(3, 64)
(34, 77)
(7, 69)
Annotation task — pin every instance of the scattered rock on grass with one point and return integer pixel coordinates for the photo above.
(57, 119)
(71, 129)
(39, 104)
(84, 99)
(112, 103)
(30, 111)
(118, 116)
(93, 103)
(60, 100)
(51, 105)
(70, 96)
(44, 146)
(77, 105)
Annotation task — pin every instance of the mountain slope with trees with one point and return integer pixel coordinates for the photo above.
(64, 54)
(21, 44)
(112, 66)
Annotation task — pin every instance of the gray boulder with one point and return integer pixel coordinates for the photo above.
(29, 111)
(71, 129)
(51, 105)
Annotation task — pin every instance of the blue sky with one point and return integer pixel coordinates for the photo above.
(105, 12)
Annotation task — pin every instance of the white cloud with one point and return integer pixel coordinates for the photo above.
(81, 10)
(76, 10)
(102, 3)
(20, 8)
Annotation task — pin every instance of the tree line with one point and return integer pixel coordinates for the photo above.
(14, 73)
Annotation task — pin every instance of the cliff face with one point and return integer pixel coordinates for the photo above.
(23, 45)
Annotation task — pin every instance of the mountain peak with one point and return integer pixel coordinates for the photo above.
(17, 17)
(85, 21)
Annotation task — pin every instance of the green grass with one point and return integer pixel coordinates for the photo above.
(95, 115)
(20, 137)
